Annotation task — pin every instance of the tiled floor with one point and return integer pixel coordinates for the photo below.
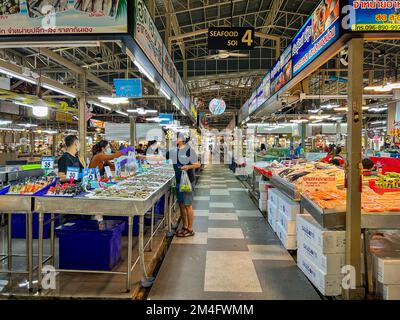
(234, 254)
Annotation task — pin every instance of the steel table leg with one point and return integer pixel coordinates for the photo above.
(141, 246)
(9, 243)
(170, 213)
(52, 241)
(151, 229)
(30, 250)
(40, 251)
(368, 263)
(129, 264)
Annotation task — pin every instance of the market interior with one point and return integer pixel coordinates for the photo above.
(295, 132)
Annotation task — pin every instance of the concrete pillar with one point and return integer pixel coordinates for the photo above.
(82, 124)
(354, 128)
(132, 132)
(391, 115)
(338, 132)
(185, 69)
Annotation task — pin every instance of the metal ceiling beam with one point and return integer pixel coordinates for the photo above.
(174, 23)
(66, 63)
(271, 16)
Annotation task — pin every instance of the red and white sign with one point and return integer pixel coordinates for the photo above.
(319, 183)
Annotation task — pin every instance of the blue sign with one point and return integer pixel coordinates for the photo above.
(281, 73)
(47, 163)
(89, 174)
(128, 88)
(73, 173)
(316, 35)
(166, 118)
(375, 16)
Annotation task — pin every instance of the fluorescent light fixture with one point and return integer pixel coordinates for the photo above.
(16, 75)
(49, 131)
(316, 122)
(177, 106)
(336, 118)
(3, 122)
(50, 44)
(345, 108)
(12, 129)
(320, 117)
(40, 111)
(141, 111)
(143, 70)
(114, 100)
(155, 119)
(330, 106)
(121, 112)
(378, 109)
(101, 105)
(299, 120)
(58, 90)
(165, 94)
(378, 122)
(183, 112)
(27, 125)
(314, 110)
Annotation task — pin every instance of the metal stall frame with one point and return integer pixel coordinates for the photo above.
(82, 205)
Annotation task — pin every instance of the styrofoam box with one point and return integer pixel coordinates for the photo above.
(263, 205)
(288, 241)
(288, 207)
(264, 186)
(388, 270)
(274, 195)
(328, 285)
(289, 226)
(388, 292)
(330, 263)
(327, 241)
(264, 195)
(272, 212)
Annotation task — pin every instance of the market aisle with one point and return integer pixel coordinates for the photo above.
(234, 254)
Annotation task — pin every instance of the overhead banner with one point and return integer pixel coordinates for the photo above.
(252, 102)
(96, 123)
(281, 73)
(377, 16)
(316, 35)
(230, 38)
(128, 88)
(62, 17)
(147, 36)
(169, 70)
(166, 118)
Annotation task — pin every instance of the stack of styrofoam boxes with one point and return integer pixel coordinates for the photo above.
(286, 221)
(387, 275)
(264, 187)
(273, 201)
(321, 254)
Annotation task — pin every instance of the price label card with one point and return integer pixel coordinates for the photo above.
(73, 173)
(98, 175)
(108, 171)
(47, 163)
(319, 183)
(89, 175)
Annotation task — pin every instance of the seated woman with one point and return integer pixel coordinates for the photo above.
(102, 155)
(263, 150)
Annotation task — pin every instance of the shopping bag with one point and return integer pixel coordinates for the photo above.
(185, 185)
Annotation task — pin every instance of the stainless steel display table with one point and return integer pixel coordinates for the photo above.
(10, 204)
(82, 205)
(286, 187)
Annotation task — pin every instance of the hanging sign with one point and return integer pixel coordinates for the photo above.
(147, 36)
(62, 17)
(128, 88)
(89, 174)
(217, 106)
(96, 123)
(377, 16)
(281, 72)
(316, 35)
(169, 70)
(166, 118)
(47, 163)
(73, 173)
(230, 38)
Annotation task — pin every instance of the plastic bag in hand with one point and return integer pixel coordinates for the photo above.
(185, 185)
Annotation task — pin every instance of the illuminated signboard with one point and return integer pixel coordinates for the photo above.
(252, 102)
(316, 35)
(376, 16)
(281, 72)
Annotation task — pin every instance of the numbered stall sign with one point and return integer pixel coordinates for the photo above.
(73, 173)
(98, 175)
(88, 175)
(47, 163)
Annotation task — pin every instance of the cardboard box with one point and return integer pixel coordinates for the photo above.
(272, 213)
(263, 205)
(388, 291)
(328, 285)
(288, 225)
(330, 263)
(326, 241)
(289, 207)
(264, 186)
(264, 195)
(387, 270)
(288, 241)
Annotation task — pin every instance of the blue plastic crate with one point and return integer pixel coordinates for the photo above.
(18, 225)
(135, 228)
(159, 206)
(83, 246)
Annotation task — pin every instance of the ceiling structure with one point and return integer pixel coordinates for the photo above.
(232, 78)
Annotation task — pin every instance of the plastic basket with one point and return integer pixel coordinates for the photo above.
(82, 246)
(372, 185)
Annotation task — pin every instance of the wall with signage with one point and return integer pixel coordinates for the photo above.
(67, 17)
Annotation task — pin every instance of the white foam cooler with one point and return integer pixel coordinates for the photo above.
(288, 241)
(263, 205)
(330, 263)
(272, 213)
(288, 225)
(274, 195)
(326, 241)
(288, 207)
(264, 186)
(388, 270)
(328, 285)
(264, 195)
(388, 291)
